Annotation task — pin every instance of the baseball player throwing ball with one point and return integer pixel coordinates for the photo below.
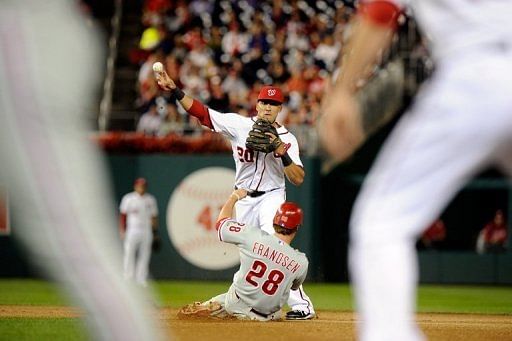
(269, 266)
(139, 214)
(461, 122)
(264, 152)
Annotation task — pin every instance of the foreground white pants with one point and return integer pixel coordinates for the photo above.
(462, 122)
(64, 211)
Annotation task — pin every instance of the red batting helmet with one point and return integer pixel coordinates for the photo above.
(289, 215)
(271, 93)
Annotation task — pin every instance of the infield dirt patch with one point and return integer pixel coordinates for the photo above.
(329, 325)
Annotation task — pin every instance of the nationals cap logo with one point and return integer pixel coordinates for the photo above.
(271, 93)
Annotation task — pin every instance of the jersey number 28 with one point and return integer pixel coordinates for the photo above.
(271, 284)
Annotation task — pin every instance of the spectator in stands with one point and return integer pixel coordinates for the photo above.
(219, 100)
(327, 52)
(172, 123)
(234, 85)
(433, 236)
(234, 41)
(150, 121)
(246, 44)
(493, 237)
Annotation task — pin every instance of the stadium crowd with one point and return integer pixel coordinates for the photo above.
(223, 52)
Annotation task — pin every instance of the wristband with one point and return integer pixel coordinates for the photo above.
(286, 159)
(236, 195)
(178, 93)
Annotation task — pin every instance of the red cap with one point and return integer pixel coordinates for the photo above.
(140, 181)
(271, 93)
(289, 215)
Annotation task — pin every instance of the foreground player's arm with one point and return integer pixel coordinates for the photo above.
(341, 125)
(191, 105)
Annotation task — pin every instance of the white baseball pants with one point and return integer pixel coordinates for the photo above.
(137, 254)
(234, 306)
(462, 122)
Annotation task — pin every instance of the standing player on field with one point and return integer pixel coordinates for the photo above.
(461, 123)
(269, 266)
(261, 173)
(139, 221)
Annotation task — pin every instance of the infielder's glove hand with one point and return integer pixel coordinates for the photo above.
(263, 137)
(156, 244)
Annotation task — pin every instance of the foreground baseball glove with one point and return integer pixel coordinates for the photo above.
(263, 137)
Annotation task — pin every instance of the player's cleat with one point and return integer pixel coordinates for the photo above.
(299, 315)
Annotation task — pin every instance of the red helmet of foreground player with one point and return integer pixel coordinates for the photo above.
(289, 215)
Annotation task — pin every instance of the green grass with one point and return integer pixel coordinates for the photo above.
(21, 329)
(29, 292)
(431, 298)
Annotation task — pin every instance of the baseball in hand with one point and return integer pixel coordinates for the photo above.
(158, 67)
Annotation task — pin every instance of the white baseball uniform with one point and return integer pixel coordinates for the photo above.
(461, 123)
(139, 210)
(269, 268)
(264, 175)
(50, 60)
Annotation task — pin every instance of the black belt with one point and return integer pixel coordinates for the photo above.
(254, 310)
(259, 314)
(255, 194)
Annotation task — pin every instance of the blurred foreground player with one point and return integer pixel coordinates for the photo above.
(269, 266)
(460, 123)
(49, 67)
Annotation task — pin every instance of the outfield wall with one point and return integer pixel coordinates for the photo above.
(165, 174)
(327, 201)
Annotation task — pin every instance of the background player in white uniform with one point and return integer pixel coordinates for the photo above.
(139, 221)
(269, 266)
(461, 122)
(260, 173)
(50, 60)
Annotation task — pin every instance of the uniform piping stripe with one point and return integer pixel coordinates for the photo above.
(256, 169)
(263, 172)
(305, 300)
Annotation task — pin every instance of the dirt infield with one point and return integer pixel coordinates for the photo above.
(329, 326)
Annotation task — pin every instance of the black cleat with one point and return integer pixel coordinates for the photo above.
(299, 315)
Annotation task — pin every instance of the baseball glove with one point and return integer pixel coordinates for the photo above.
(207, 309)
(263, 137)
(156, 244)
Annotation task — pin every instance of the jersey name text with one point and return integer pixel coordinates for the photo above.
(275, 256)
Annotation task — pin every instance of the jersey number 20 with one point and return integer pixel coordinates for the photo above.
(245, 155)
(274, 278)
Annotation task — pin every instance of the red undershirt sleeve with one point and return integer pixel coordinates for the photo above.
(200, 111)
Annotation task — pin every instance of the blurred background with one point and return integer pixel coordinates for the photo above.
(222, 52)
